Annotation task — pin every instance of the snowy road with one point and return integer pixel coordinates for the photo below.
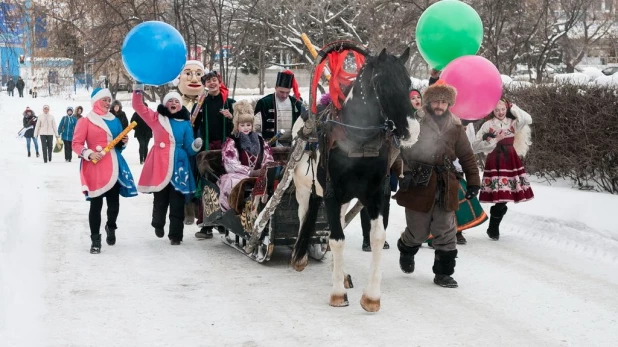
(549, 281)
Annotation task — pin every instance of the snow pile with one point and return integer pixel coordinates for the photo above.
(506, 80)
(576, 78)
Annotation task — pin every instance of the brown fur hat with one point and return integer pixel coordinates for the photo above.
(243, 113)
(440, 91)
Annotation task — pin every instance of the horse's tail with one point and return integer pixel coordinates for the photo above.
(307, 230)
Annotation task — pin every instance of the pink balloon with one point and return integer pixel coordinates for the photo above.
(478, 84)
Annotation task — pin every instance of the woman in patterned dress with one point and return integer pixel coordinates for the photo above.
(504, 138)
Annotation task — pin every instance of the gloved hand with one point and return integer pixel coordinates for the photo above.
(138, 86)
(197, 144)
(486, 136)
(406, 182)
(254, 173)
(472, 191)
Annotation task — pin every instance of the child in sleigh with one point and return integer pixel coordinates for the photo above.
(244, 153)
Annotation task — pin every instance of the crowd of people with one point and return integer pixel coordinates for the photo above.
(438, 183)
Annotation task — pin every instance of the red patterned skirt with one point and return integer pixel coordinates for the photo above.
(505, 179)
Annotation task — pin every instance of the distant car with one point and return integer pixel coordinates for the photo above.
(608, 71)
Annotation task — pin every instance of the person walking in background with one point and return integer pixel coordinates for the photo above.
(29, 125)
(117, 111)
(79, 112)
(66, 130)
(46, 128)
(143, 134)
(20, 86)
(10, 86)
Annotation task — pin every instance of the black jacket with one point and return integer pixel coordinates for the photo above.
(10, 85)
(120, 114)
(20, 84)
(142, 130)
(28, 121)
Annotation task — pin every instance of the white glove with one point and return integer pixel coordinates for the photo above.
(197, 144)
(138, 87)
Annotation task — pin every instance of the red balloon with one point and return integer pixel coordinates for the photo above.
(478, 84)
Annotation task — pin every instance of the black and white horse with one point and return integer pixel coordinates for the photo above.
(374, 118)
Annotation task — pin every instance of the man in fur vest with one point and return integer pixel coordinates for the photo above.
(429, 187)
(279, 111)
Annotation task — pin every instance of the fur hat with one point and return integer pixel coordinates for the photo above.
(172, 95)
(99, 94)
(243, 113)
(440, 91)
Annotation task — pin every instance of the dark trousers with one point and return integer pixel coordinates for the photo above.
(176, 202)
(10, 91)
(143, 148)
(47, 144)
(68, 150)
(112, 197)
(36, 144)
(21, 92)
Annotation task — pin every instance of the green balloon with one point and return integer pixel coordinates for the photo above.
(447, 30)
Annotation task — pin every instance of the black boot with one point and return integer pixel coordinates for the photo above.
(406, 257)
(159, 232)
(444, 267)
(496, 213)
(204, 233)
(367, 246)
(111, 235)
(95, 248)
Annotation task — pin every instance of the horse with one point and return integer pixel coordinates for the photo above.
(375, 116)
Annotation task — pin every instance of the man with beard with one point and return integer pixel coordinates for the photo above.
(430, 184)
(279, 111)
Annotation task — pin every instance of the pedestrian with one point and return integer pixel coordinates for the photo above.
(20, 86)
(428, 189)
(79, 112)
(47, 129)
(110, 177)
(167, 172)
(504, 138)
(66, 130)
(143, 134)
(117, 111)
(29, 123)
(10, 86)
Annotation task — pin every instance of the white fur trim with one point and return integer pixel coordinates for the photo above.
(98, 121)
(171, 95)
(165, 123)
(110, 184)
(86, 154)
(195, 62)
(415, 129)
(100, 95)
(99, 148)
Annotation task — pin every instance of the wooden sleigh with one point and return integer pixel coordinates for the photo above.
(264, 210)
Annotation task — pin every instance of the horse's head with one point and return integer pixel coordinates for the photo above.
(380, 93)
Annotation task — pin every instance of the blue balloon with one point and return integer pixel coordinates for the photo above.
(154, 53)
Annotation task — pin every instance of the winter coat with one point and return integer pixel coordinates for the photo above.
(437, 148)
(517, 128)
(120, 114)
(20, 84)
(142, 130)
(46, 125)
(202, 123)
(67, 127)
(93, 134)
(29, 121)
(172, 146)
(10, 85)
(267, 109)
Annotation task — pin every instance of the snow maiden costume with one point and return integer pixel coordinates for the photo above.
(243, 154)
(167, 172)
(504, 179)
(110, 177)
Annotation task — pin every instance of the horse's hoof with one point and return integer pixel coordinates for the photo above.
(339, 300)
(301, 264)
(370, 305)
(347, 282)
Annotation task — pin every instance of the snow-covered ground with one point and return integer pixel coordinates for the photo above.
(550, 280)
